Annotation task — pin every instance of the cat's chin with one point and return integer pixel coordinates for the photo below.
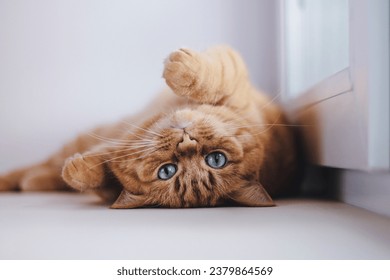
(180, 119)
(194, 120)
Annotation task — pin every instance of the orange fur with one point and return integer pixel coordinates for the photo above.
(214, 109)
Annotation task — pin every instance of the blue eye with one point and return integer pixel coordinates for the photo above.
(167, 171)
(216, 160)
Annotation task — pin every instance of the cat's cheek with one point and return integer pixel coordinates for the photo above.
(128, 179)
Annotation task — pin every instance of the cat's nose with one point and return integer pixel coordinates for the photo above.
(187, 145)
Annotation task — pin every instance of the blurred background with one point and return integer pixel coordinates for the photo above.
(66, 66)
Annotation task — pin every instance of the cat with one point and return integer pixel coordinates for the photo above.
(210, 139)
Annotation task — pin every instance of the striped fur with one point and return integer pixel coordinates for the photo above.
(211, 107)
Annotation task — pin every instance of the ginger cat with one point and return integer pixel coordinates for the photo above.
(211, 140)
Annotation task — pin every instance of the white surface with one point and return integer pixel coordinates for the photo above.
(68, 65)
(349, 126)
(317, 44)
(75, 226)
(368, 190)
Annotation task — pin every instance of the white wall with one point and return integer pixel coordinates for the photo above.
(367, 190)
(68, 65)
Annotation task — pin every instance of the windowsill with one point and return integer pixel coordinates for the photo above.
(74, 226)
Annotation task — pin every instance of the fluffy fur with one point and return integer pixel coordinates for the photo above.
(211, 107)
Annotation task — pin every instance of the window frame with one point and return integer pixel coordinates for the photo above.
(346, 116)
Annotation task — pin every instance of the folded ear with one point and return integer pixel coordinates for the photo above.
(253, 194)
(128, 200)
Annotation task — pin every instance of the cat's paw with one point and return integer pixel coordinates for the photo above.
(83, 172)
(7, 185)
(181, 71)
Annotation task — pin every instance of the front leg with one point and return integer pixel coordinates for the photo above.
(84, 171)
(89, 172)
(217, 76)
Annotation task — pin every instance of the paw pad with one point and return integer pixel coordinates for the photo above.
(83, 172)
(182, 70)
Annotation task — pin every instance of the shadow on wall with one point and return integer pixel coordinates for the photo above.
(319, 181)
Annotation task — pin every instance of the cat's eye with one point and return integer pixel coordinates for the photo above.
(167, 171)
(216, 160)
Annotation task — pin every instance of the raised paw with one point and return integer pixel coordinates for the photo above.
(182, 70)
(83, 172)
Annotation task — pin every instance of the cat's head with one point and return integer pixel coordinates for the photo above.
(199, 157)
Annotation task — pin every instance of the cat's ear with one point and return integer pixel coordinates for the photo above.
(252, 194)
(128, 200)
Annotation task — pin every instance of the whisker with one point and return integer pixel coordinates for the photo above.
(146, 130)
(158, 125)
(271, 101)
(269, 126)
(245, 116)
(133, 159)
(137, 152)
(120, 141)
(118, 151)
(102, 138)
(143, 137)
(126, 155)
